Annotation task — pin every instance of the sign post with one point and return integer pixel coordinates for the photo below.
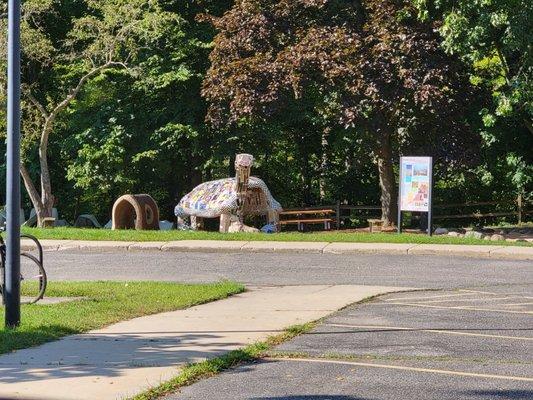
(416, 187)
(12, 271)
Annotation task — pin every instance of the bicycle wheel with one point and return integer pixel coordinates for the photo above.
(32, 279)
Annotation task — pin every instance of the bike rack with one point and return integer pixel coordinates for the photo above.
(40, 260)
(39, 246)
(41, 257)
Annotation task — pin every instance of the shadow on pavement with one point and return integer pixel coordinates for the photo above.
(108, 355)
(314, 397)
(501, 394)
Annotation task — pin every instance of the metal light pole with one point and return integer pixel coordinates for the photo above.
(12, 277)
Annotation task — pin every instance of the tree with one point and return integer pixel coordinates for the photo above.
(62, 52)
(367, 66)
(152, 123)
(494, 39)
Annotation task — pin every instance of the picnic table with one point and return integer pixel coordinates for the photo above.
(303, 217)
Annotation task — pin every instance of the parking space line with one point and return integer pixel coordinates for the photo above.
(465, 308)
(496, 294)
(466, 300)
(405, 368)
(400, 328)
(428, 297)
(478, 291)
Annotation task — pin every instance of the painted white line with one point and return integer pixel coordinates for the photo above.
(466, 300)
(402, 328)
(496, 294)
(465, 308)
(428, 297)
(404, 368)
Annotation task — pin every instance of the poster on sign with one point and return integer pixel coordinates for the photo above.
(415, 183)
(416, 175)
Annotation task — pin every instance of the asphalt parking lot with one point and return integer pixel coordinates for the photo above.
(453, 344)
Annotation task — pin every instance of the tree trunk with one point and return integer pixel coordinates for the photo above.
(42, 210)
(47, 199)
(387, 181)
(306, 180)
(324, 164)
(42, 213)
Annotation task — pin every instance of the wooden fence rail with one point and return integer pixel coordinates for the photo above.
(519, 204)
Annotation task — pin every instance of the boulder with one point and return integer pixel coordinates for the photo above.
(496, 237)
(440, 231)
(474, 234)
(237, 226)
(454, 234)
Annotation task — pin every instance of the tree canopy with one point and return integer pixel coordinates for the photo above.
(157, 96)
(494, 38)
(369, 66)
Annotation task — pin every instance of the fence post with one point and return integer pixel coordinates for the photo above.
(338, 215)
(519, 203)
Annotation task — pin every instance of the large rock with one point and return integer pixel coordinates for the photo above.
(474, 234)
(454, 234)
(497, 237)
(440, 231)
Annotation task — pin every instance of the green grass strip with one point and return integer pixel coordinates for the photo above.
(68, 233)
(102, 304)
(194, 372)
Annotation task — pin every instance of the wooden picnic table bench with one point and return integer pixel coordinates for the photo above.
(376, 222)
(307, 216)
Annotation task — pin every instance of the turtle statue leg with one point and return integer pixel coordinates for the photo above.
(197, 223)
(273, 219)
(225, 220)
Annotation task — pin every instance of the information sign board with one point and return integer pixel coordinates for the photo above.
(415, 183)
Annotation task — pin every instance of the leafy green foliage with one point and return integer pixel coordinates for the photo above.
(494, 37)
(315, 89)
(316, 66)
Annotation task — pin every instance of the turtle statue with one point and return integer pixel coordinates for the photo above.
(231, 199)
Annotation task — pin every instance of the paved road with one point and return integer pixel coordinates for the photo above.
(287, 269)
(472, 341)
(464, 344)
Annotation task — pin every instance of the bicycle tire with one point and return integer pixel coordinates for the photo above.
(42, 279)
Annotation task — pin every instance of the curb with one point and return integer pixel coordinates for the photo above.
(221, 246)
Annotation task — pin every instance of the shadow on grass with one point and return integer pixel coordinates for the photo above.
(16, 339)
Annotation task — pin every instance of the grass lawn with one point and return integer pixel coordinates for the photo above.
(103, 303)
(332, 236)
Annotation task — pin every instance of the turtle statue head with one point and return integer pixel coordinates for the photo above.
(243, 166)
(243, 161)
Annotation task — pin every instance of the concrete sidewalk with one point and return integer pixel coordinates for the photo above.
(479, 251)
(129, 357)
